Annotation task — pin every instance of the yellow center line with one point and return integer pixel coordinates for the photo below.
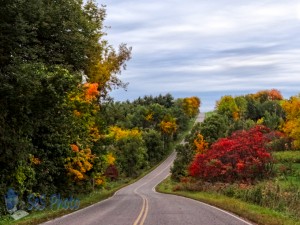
(146, 212)
(145, 208)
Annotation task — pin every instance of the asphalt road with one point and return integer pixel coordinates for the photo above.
(140, 204)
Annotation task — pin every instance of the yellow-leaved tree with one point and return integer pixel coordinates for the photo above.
(168, 125)
(129, 147)
(118, 133)
(292, 124)
(81, 162)
(227, 106)
(200, 144)
(191, 106)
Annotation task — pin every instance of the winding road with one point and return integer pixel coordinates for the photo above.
(140, 204)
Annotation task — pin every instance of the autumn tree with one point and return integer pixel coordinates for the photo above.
(268, 95)
(130, 149)
(292, 124)
(228, 107)
(191, 106)
(200, 144)
(65, 33)
(168, 125)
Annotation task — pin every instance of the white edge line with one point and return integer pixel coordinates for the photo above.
(100, 202)
(200, 202)
(69, 214)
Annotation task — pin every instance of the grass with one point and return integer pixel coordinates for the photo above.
(288, 167)
(287, 156)
(254, 213)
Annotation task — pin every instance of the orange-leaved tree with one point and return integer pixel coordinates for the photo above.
(80, 163)
(268, 95)
(200, 144)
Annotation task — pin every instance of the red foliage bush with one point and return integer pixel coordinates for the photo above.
(242, 156)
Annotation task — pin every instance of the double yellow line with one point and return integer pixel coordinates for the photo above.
(144, 211)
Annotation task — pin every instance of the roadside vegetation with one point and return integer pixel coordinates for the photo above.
(244, 155)
(60, 131)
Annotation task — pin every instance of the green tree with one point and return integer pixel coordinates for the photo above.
(132, 154)
(228, 107)
(214, 127)
(154, 145)
(44, 48)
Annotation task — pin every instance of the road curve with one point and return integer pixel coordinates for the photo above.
(140, 204)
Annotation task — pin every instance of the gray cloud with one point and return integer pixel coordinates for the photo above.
(207, 49)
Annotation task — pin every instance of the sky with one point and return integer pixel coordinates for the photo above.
(206, 48)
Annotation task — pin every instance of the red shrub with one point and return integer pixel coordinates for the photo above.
(242, 156)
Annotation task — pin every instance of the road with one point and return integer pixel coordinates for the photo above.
(140, 204)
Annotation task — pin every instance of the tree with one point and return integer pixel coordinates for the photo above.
(65, 33)
(267, 95)
(200, 144)
(33, 122)
(241, 103)
(154, 144)
(292, 124)
(45, 47)
(168, 125)
(254, 111)
(191, 106)
(213, 128)
(184, 156)
(228, 107)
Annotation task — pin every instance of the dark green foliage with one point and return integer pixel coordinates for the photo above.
(44, 46)
(271, 120)
(214, 127)
(52, 32)
(240, 125)
(254, 110)
(181, 117)
(184, 157)
(33, 114)
(154, 145)
(163, 100)
(146, 114)
(131, 154)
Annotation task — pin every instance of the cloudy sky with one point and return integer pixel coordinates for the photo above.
(206, 48)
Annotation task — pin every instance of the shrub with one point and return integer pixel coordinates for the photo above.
(242, 156)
